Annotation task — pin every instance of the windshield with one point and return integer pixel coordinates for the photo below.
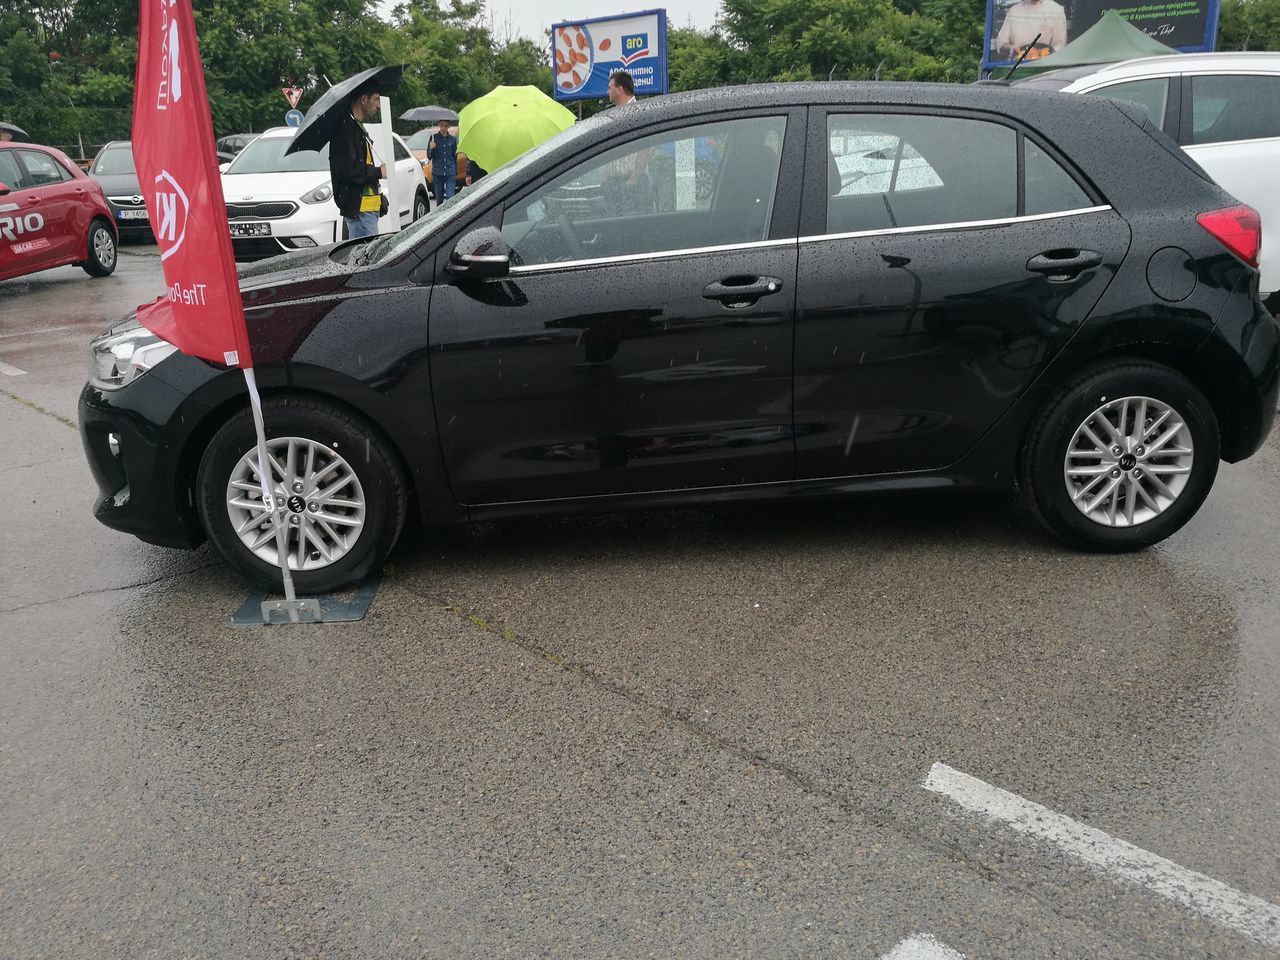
(395, 244)
(420, 139)
(112, 161)
(266, 155)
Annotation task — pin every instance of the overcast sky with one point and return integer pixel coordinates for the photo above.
(531, 17)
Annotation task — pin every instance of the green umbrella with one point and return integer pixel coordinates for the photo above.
(508, 121)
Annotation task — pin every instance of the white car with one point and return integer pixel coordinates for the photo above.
(278, 203)
(1223, 109)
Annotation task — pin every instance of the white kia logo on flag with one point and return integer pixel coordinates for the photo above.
(171, 204)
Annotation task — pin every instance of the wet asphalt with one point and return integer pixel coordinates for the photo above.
(679, 734)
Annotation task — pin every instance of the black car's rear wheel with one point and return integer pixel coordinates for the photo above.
(335, 485)
(1121, 458)
(101, 260)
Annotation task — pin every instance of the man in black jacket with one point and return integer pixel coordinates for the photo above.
(351, 166)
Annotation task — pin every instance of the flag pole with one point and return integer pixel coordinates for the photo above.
(268, 500)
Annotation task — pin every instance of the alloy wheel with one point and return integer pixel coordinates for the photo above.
(1129, 461)
(104, 247)
(314, 491)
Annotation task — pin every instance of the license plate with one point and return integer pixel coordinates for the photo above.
(251, 229)
(132, 214)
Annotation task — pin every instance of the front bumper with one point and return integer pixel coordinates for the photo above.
(305, 230)
(135, 458)
(123, 215)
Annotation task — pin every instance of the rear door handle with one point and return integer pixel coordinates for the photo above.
(1060, 265)
(738, 292)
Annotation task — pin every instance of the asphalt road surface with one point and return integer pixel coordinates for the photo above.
(913, 728)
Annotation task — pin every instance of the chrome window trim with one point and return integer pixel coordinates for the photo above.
(656, 255)
(957, 225)
(791, 241)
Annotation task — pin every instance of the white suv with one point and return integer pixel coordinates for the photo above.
(278, 203)
(1223, 109)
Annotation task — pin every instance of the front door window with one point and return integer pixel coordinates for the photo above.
(702, 186)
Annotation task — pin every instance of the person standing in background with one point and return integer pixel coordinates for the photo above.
(351, 166)
(442, 151)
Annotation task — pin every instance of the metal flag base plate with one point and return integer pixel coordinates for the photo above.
(260, 610)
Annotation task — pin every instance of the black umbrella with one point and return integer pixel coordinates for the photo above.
(17, 131)
(317, 126)
(429, 114)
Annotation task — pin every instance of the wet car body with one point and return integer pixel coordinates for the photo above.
(899, 359)
(50, 213)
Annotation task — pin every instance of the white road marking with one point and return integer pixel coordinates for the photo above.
(922, 947)
(1254, 917)
(11, 371)
(36, 333)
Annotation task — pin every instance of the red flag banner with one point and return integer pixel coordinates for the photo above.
(201, 312)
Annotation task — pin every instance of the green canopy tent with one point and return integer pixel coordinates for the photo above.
(1110, 40)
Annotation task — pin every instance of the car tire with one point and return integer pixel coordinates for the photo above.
(419, 205)
(356, 523)
(103, 255)
(1168, 440)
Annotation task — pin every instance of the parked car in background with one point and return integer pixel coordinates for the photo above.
(233, 143)
(1223, 109)
(1027, 314)
(51, 214)
(113, 169)
(277, 203)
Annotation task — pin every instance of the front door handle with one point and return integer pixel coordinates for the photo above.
(1062, 265)
(738, 292)
(33, 198)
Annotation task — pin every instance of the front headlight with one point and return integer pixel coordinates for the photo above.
(124, 353)
(319, 195)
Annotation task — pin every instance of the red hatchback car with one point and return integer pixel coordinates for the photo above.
(51, 214)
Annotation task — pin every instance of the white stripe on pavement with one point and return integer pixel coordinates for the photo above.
(40, 332)
(1254, 917)
(11, 371)
(922, 947)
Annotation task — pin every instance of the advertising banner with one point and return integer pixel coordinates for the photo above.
(201, 313)
(585, 52)
(1012, 25)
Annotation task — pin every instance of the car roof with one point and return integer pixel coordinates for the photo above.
(1230, 61)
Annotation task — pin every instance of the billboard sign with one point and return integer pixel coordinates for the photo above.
(585, 52)
(1012, 25)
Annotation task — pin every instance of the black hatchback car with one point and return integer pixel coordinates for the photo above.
(874, 287)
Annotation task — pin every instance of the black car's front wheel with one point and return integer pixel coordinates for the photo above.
(1121, 458)
(335, 485)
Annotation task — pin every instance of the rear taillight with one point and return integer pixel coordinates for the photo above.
(1239, 229)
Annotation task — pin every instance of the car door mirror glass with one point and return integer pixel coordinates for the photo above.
(481, 253)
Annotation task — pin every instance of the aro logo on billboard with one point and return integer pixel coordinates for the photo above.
(170, 90)
(172, 209)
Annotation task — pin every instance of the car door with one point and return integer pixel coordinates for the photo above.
(643, 340)
(48, 204)
(406, 182)
(20, 223)
(936, 288)
(1231, 127)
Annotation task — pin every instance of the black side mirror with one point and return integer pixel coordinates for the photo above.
(481, 253)
(4, 188)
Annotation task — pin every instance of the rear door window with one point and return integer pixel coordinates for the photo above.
(1151, 94)
(887, 171)
(1049, 188)
(1234, 107)
(11, 175)
(42, 169)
